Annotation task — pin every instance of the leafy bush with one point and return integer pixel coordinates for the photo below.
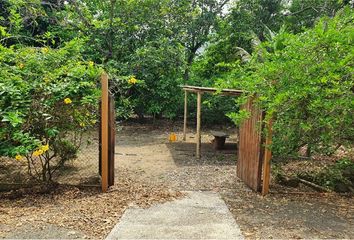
(306, 82)
(337, 176)
(48, 98)
(158, 64)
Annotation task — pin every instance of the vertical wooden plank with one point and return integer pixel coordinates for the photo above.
(198, 137)
(100, 139)
(112, 141)
(249, 163)
(185, 115)
(267, 158)
(104, 132)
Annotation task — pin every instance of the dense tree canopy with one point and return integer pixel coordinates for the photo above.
(306, 82)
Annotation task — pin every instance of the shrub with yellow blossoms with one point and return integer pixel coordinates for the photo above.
(37, 153)
(45, 148)
(132, 80)
(67, 101)
(42, 149)
(45, 85)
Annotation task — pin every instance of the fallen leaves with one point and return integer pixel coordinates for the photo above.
(85, 210)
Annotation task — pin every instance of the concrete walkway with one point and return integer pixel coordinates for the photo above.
(200, 215)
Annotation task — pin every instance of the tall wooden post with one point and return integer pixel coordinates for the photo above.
(185, 115)
(267, 157)
(112, 140)
(104, 131)
(199, 106)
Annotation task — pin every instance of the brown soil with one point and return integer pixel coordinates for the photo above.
(151, 169)
(285, 213)
(84, 212)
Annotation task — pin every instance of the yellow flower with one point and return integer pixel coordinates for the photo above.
(90, 63)
(45, 148)
(132, 80)
(82, 124)
(45, 50)
(46, 79)
(93, 121)
(37, 152)
(18, 157)
(21, 65)
(67, 101)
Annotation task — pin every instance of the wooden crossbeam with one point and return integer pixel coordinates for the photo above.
(227, 92)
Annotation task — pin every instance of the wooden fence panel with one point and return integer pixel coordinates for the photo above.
(111, 140)
(106, 136)
(250, 153)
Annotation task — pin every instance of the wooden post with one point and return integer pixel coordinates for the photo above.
(267, 157)
(112, 140)
(104, 131)
(185, 115)
(199, 106)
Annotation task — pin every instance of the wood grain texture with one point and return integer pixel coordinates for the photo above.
(112, 140)
(104, 132)
(267, 158)
(226, 92)
(249, 163)
(185, 115)
(199, 121)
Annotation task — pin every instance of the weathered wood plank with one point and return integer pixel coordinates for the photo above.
(104, 132)
(112, 141)
(185, 115)
(198, 137)
(229, 92)
(250, 148)
(267, 158)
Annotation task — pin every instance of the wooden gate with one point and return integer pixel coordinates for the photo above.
(251, 151)
(107, 136)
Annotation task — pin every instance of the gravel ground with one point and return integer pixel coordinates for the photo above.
(151, 169)
(284, 213)
(70, 212)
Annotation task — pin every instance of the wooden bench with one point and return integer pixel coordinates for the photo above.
(219, 139)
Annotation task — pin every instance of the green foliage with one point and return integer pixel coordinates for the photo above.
(306, 82)
(48, 98)
(339, 173)
(159, 65)
(251, 22)
(338, 176)
(156, 41)
(140, 39)
(150, 47)
(303, 14)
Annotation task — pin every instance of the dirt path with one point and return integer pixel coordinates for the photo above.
(150, 170)
(146, 152)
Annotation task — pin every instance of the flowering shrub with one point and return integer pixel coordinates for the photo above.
(48, 98)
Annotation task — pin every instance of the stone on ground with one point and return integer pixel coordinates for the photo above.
(200, 215)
